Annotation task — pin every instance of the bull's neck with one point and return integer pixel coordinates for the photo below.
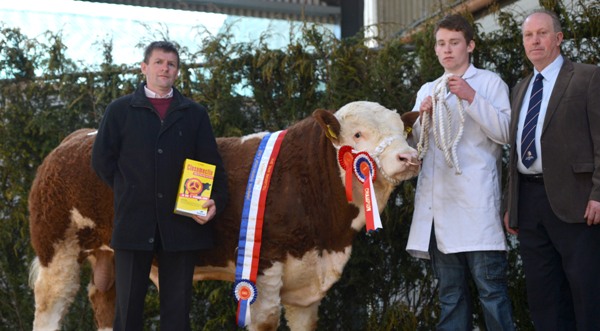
(322, 158)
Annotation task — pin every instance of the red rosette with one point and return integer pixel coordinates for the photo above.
(363, 163)
(244, 289)
(345, 157)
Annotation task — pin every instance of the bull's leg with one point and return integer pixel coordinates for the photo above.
(56, 284)
(103, 303)
(101, 290)
(154, 275)
(266, 310)
(302, 318)
(55, 288)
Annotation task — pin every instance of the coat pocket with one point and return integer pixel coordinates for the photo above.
(583, 167)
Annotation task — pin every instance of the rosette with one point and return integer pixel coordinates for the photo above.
(244, 289)
(363, 164)
(345, 158)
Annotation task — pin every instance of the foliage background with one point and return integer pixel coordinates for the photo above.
(248, 87)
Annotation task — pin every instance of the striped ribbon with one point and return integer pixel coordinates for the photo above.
(245, 290)
(373, 220)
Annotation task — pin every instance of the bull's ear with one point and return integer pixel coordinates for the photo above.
(409, 119)
(328, 123)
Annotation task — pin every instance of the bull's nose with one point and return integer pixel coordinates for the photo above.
(410, 158)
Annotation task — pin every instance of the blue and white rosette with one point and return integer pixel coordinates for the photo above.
(364, 169)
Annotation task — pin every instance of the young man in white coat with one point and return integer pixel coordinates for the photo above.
(457, 220)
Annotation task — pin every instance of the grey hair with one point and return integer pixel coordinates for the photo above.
(555, 21)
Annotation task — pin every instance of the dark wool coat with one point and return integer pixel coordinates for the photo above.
(141, 158)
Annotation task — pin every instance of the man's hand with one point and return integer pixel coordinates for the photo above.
(461, 88)
(592, 213)
(507, 227)
(212, 210)
(426, 107)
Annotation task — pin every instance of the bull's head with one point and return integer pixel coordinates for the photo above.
(370, 127)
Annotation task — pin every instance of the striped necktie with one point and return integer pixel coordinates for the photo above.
(528, 152)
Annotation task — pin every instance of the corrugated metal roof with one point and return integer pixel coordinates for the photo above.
(405, 17)
(321, 11)
(394, 17)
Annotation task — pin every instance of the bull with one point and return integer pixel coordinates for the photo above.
(308, 230)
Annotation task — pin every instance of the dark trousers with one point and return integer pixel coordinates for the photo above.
(176, 270)
(561, 262)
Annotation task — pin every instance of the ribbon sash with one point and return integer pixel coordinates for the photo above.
(252, 221)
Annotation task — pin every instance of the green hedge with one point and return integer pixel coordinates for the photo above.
(248, 87)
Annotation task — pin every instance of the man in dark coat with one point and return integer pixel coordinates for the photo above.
(142, 143)
(554, 189)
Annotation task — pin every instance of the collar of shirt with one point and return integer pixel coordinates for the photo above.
(154, 95)
(550, 74)
(470, 72)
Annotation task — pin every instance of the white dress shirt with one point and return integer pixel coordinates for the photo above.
(550, 74)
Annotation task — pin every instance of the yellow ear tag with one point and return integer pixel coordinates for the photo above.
(407, 131)
(330, 134)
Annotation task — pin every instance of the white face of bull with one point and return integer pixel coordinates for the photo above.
(368, 126)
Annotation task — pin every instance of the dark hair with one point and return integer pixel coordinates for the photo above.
(456, 22)
(166, 46)
(555, 21)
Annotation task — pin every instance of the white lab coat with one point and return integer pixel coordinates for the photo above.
(464, 209)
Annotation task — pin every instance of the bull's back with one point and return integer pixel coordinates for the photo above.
(305, 209)
(65, 184)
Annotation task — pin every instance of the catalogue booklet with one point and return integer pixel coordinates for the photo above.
(195, 188)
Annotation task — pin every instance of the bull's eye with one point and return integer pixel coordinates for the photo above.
(357, 135)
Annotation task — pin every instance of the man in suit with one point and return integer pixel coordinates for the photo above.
(141, 146)
(554, 181)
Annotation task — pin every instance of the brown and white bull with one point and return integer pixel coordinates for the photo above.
(308, 224)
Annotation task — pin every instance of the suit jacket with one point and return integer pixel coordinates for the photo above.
(570, 142)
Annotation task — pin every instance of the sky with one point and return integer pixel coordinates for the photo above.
(85, 24)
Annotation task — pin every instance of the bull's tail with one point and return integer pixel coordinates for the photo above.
(34, 271)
